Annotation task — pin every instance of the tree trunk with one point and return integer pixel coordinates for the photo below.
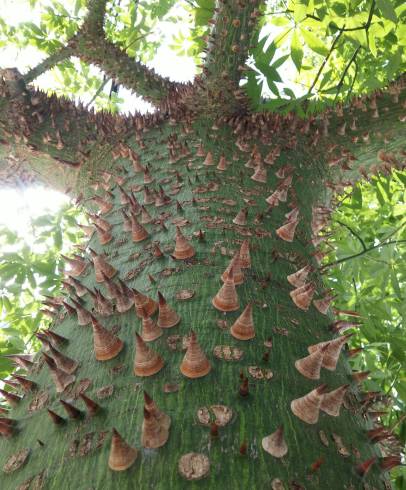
(214, 178)
(204, 203)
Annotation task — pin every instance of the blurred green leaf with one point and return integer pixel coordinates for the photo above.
(314, 43)
(296, 51)
(387, 9)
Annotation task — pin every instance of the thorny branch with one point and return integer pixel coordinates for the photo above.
(233, 28)
(62, 54)
(90, 44)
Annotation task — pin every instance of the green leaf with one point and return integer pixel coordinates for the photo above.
(395, 284)
(326, 79)
(356, 199)
(259, 48)
(314, 43)
(34, 29)
(381, 194)
(7, 304)
(58, 239)
(202, 16)
(280, 21)
(272, 86)
(269, 72)
(281, 38)
(394, 63)
(387, 10)
(287, 91)
(253, 89)
(372, 45)
(273, 104)
(299, 11)
(296, 51)
(270, 52)
(402, 177)
(280, 61)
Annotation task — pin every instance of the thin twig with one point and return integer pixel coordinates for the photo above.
(394, 231)
(324, 62)
(353, 80)
(98, 92)
(136, 39)
(340, 261)
(364, 247)
(340, 83)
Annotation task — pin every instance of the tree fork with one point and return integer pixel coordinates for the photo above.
(92, 46)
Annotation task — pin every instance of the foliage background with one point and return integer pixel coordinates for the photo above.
(305, 53)
(369, 244)
(30, 267)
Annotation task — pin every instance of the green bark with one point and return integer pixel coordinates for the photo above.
(75, 454)
(65, 458)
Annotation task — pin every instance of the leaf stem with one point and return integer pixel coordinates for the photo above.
(350, 257)
(352, 60)
(364, 247)
(324, 62)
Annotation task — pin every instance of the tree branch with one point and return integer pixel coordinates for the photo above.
(230, 38)
(94, 22)
(363, 252)
(324, 62)
(91, 45)
(98, 91)
(43, 139)
(366, 136)
(364, 247)
(129, 73)
(340, 83)
(62, 54)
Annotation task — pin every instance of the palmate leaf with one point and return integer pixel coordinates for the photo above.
(252, 87)
(387, 9)
(374, 283)
(296, 50)
(314, 42)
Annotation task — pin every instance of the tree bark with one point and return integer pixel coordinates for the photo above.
(220, 176)
(75, 454)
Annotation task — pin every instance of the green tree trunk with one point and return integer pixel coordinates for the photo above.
(322, 455)
(301, 164)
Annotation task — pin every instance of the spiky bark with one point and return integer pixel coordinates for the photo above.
(229, 401)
